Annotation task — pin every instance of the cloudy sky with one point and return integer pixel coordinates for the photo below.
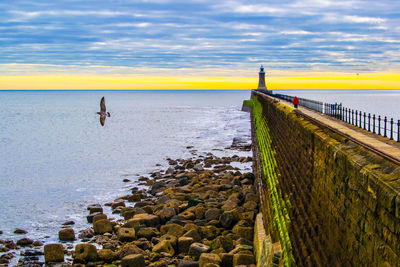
(205, 38)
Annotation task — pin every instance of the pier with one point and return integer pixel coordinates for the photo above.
(329, 189)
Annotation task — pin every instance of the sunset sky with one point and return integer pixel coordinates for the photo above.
(164, 44)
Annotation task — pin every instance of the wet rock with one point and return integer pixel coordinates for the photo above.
(198, 167)
(99, 217)
(86, 233)
(37, 244)
(107, 255)
(128, 213)
(19, 231)
(146, 219)
(133, 260)
(228, 219)
(164, 246)
(226, 259)
(66, 234)
(206, 258)
(102, 226)
(10, 244)
(126, 234)
(147, 232)
(187, 215)
(188, 263)
(196, 249)
(136, 197)
(85, 253)
(69, 223)
(250, 205)
(222, 242)
(143, 243)
(172, 239)
(183, 181)
(24, 242)
(210, 232)
(31, 253)
(129, 249)
(243, 259)
(166, 214)
(212, 214)
(155, 188)
(184, 244)
(243, 231)
(172, 229)
(117, 204)
(53, 253)
(90, 217)
(95, 208)
(193, 234)
(126, 180)
(1, 232)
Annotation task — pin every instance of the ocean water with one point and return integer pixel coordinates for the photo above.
(378, 102)
(56, 158)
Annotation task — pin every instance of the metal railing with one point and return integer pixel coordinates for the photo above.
(381, 125)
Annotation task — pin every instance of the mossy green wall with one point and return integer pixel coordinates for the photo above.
(326, 199)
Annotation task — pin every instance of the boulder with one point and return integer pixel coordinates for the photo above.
(206, 258)
(107, 255)
(187, 215)
(222, 242)
(184, 244)
(129, 249)
(53, 253)
(66, 234)
(199, 212)
(147, 232)
(212, 214)
(90, 217)
(164, 246)
(188, 263)
(193, 234)
(210, 232)
(126, 234)
(243, 259)
(146, 219)
(250, 205)
(95, 209)
(226, 259)
(19, 231)
(172, 239)
(85, 253)
(196, 249)
(24, 242)
(166, 214)
(102, 226)
(228, 219)
(243, 231)
(172, 229)
(99, 217)
(133, 260)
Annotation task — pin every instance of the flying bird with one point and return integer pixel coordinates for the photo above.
(103, 112)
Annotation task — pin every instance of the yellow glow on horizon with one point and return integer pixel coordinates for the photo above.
(282, 80)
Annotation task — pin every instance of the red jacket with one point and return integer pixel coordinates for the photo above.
(295, 101)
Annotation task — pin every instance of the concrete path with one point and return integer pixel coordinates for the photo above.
(389, 147)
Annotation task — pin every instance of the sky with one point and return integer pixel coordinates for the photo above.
(210, 44)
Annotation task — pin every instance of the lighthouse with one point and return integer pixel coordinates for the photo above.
(261, 79)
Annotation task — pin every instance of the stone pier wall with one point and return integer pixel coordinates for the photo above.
(324, 198)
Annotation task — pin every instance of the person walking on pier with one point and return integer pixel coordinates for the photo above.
(295, 102)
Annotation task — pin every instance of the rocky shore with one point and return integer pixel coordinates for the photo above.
(197, 212)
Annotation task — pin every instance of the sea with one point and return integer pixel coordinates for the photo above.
(56, 158)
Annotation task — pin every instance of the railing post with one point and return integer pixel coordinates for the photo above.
(369, 122)
(364, 121)
(373, 123)
(352, 116)
(385, 121)
(356, 118)
(398, 130)
(379, 124)
(360, 120)
(391, 129)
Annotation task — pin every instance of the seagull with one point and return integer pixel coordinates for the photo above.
(103, 112)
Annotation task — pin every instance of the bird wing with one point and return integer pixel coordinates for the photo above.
(102, 105)
(102, 120)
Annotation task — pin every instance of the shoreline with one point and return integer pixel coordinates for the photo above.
(165, 184)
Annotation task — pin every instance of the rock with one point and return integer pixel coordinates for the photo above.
(102, 226)
(126, 234)
(187, 215)
(229, 205)
(146, 219)
(250, 205)
(10, 244)
(85, 253)
(24, 242)
(166, 214)
(193, 234)
(143, 243)
(172, 239)
(37, 244)
(53, 253)
(126, 180)
(1, 232)
(117, 204)
(129, 249)
(226, 259)
(184, 244)
(160, 263)
(107, 255)
(196, 249)
(172, 229)
(133, 260)
(99, 217)
(183, 181)
(136, 197)
(210, 232)
(243, 231)
(243, 259)
(212, 214)
(206, 258)
(66, 234)
(155, 188)
(89, 218)
(147, 232)
(164, 246)
(128, 214)
(95, 208)
(69, 223)
(198, 167)
(222, 242)
(188, 263)
(20, 231)
(199, 212)
(86, 233)
(228, 219)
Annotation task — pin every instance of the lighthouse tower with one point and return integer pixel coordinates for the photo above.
(261, 79)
